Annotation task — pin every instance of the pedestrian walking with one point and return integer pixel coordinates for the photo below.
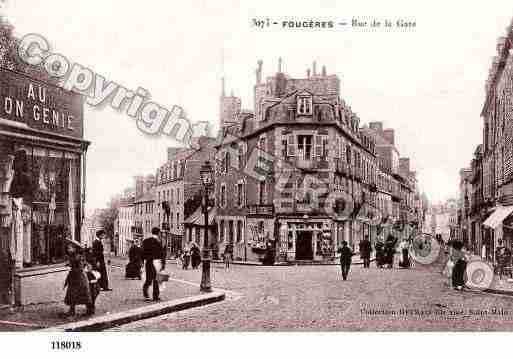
(195, 256)
(503, 258)
(365, 251)
(93, 275)
(155, 259)
(134, 267)
(345, 259)
(380, 254)
(390, 251)
(404, 249)
(99, 259)
(186, 257)
(77, 284)
(460, 266)
(228, 250)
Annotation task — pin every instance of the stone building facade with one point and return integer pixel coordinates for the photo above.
(299, 173)
(178, 191)
(492, 170)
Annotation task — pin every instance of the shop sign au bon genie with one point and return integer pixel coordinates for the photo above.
(40, 106)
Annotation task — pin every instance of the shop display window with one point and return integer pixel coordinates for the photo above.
(55, 202)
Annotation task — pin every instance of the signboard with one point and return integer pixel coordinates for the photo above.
(40, 106)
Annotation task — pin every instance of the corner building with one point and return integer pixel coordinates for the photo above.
(277, 165)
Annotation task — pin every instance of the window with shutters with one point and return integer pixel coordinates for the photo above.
(240, 156)
(261, 192)
(324, 153)
(304, 147)
(240, 194)
(291, 146)
(226, 161)
(223, 195)
(304, 105)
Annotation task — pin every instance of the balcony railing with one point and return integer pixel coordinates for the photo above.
(261, 209)
(306, 163)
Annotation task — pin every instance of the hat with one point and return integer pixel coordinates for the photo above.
(100, 232)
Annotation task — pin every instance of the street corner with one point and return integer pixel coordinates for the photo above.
(112, 320)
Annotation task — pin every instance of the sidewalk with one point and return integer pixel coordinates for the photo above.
(111, 307)
(502, 286)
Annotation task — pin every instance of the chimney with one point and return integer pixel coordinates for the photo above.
(308, 73)
(223, 93)
(323, 70)
(376, 126)
(389, 136)
(279, 65)
(314, 68)
(259, 72)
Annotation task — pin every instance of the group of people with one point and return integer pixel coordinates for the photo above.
(190, 254)
(152, 256)
(87, 275)
(385, 253)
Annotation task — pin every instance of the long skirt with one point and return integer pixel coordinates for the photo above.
(78, 291)
(133, 270)
(405, 260)
(458, 273)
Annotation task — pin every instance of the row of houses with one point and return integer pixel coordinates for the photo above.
(299, 172)
(486, 186)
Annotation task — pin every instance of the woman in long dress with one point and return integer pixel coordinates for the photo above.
(77, 284)
(404, 249)
(133, 268)
(460, 266)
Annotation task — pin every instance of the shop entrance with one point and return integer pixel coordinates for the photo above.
(304, 250)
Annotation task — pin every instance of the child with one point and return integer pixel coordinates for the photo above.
(92, 275)
(77, 284)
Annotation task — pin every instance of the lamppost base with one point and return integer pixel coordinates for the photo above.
(205, 285)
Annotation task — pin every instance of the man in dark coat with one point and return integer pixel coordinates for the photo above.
(365, 251)
(345, 259)
(460, 266)
(99, 259)
(152, 250)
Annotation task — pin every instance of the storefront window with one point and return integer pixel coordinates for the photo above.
(55, 202)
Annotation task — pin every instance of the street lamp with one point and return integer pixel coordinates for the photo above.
(207, 179)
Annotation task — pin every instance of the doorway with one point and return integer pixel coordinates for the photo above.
(304, 250)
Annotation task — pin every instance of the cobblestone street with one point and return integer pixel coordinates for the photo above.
(303, 298)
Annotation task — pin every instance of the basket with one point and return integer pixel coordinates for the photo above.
(162, 277)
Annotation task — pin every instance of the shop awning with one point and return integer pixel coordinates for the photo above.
(198, 218)
(498, 216)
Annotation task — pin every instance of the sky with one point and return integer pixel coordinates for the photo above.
(425, 82)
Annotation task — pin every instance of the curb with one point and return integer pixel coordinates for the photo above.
(289, 264)
(499, 291)
(112, 320)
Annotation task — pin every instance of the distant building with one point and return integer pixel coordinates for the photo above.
(177, 188)
(144, 207)
(126, 223)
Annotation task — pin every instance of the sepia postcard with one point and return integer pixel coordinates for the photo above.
(226, 166)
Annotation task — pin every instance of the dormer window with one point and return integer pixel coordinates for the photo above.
(304, 105)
